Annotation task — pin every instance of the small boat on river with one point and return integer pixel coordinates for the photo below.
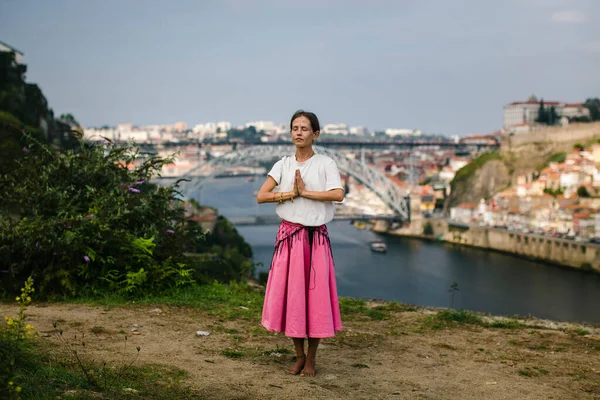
(378, 247)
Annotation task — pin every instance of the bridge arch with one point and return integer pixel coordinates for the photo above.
(390, 193)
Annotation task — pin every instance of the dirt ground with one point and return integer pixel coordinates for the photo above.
(392, 358)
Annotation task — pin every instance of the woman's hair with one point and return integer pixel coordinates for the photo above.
(314, 121)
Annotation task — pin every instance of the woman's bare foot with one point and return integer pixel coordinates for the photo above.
(309, 368)
(297, 366)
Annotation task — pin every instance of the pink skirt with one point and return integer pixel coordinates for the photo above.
(301, 297)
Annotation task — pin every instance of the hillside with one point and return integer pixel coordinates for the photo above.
(520, 154)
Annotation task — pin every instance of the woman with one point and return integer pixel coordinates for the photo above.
(301, 296)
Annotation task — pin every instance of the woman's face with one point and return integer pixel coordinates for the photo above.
(302, 133)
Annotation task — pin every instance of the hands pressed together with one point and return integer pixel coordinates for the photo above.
(299, 186)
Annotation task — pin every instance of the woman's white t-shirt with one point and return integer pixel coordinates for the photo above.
(319, 173)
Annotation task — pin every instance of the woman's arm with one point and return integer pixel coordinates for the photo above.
(328, 195)
(266, 194)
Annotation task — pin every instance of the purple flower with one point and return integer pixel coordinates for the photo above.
(68, 226)
(4, 271)
(25, 149)
(139, 182)
(170, 231)
(37, 244)
(133, 190)
(86, 259)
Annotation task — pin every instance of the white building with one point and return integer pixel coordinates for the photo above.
(523, 113)
(447, 174)
(359, 131)
(224, 126)
(268, 127)
(570, 179)
(5, 48)
(572, 110)
(457, 163)
(335, 129)
(464, 213)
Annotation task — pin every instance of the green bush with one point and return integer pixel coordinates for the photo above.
(556, 157)
(428, 229)
(88, 220)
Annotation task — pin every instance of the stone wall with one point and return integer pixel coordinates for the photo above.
(552, 250)
(561, 136)
(527, 151)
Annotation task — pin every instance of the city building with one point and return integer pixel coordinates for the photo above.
(267, 127)
(523, 113)
(359, 131)
(180, 127)
(335, 129)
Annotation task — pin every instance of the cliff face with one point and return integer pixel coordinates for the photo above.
(483, 183)
(520, 154)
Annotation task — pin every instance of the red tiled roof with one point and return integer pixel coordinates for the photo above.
(546, 103)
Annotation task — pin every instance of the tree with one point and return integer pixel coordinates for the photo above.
(553, 117)
(594, 106)
(428, 229)
(69, 119)
(453, 289)
(583, 192)
(542, 114)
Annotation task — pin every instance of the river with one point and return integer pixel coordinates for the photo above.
(420, 272)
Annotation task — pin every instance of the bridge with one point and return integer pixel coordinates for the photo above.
(424, 143)
(391, 194)
(273, 219)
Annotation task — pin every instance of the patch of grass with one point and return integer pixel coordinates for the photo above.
(451, 318)
(541, 370)
(232, 353)
(376, 315)
(513, 342)
(280, 350)
(526, 372)
(46, 375)
(579, 331)
(556, 157)
(221, 299)
(258, 330)
(231, 331)
(360, 366)
(506, 324)
(352, 306)
(394, 306)
(597, 348)
(98, 330)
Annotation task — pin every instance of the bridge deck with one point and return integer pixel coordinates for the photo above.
(275, 220)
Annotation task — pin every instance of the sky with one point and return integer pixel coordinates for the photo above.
(441, 66)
